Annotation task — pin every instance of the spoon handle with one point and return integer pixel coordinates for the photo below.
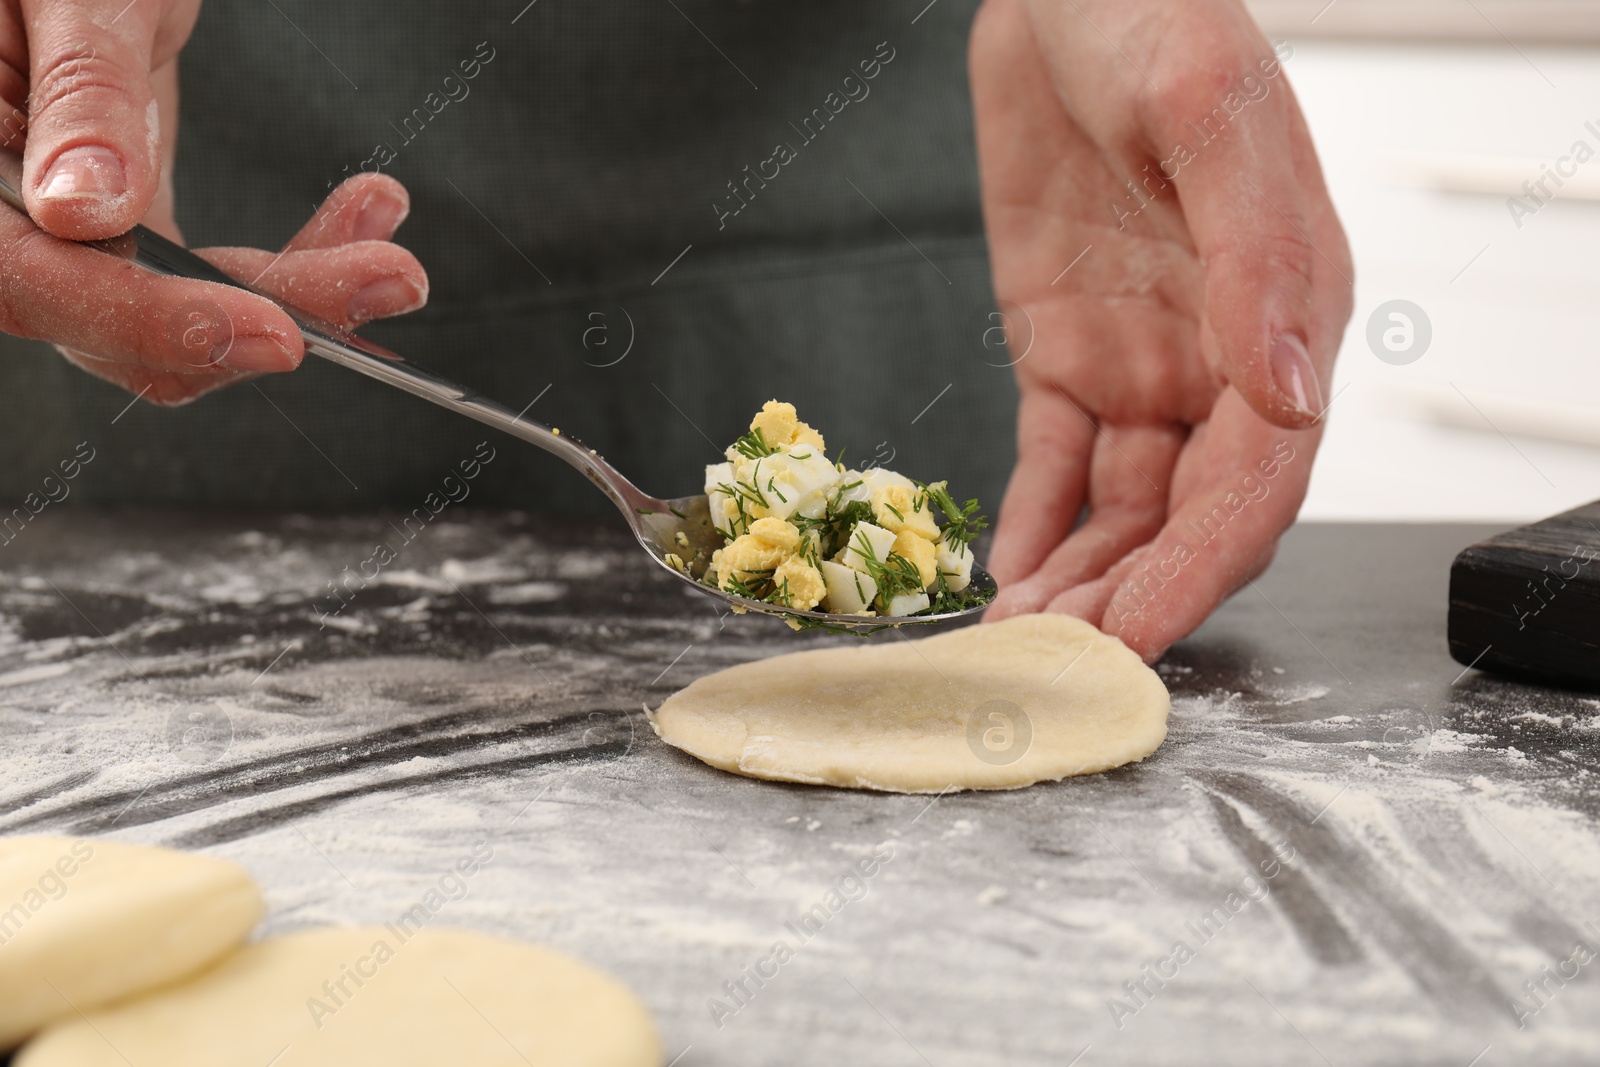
(335, 344)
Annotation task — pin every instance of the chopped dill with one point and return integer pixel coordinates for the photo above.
(962, 524)
(757, 586)
(895, 575)
(753, 445)
(944, 602)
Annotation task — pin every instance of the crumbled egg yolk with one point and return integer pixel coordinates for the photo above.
(781, 427)
(801, 583)
(769, 543)
(919, 550)
(899, 507)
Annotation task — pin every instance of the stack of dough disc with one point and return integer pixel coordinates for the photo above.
(83, 923)
(132, 957)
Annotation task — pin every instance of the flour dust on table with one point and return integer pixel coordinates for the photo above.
(1443, 827)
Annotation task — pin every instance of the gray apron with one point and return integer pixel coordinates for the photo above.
(645, 217)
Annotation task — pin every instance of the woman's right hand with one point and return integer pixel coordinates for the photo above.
(90, 96)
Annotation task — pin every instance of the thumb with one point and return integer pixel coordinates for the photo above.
(93, 154)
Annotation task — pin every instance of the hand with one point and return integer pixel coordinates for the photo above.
(89, 93)
(1175, 382)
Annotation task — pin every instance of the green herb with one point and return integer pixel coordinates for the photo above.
(895, 575)
(808, 551)
(744, 494)
(740, 523)
(944, 602)
(753, 445)
(804, 622)
(853, 512)
(755, 586)
(900, 575)
(833, 526)
(962, 524)
(676, 512)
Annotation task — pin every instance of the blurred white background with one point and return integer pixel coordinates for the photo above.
(1487, 423)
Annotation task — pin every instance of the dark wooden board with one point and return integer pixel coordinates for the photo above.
(1527, 602)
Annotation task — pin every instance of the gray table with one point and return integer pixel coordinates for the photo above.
(165, 679)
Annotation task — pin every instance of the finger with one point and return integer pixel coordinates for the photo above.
(1277, 268)
(1219, 535)
(1045, 493)
(1131, 471)
(78, 296)
(367, 207)
(161, 388)
(13, 79)
(93, 155)
(348, 285)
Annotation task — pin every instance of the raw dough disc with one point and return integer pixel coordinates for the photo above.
(100, 920)
(437, 997)
(1034, 698)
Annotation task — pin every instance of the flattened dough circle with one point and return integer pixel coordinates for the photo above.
(1033, 698)
(83, 922)
(441, 996)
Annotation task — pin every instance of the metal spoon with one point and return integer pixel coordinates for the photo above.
(680, 526)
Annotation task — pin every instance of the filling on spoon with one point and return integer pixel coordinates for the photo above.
(804, 532)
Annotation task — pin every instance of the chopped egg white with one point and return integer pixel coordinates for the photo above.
(955, 564)
(875, 478)
(723, 511)
(907, 604)
(850, 592)
(868, 547)
(853, 488)
(795, 482)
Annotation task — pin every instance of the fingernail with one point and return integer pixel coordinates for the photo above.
(1297, 378)
(257, 354)
(384, 297)
(379, 218)
(88, 172)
